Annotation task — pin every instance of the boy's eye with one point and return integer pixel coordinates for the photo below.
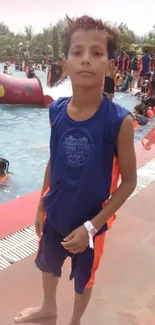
(76, 53)
(98, 54)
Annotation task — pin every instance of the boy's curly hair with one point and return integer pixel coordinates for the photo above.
(88, 23)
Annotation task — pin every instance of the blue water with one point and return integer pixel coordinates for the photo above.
(24, 138)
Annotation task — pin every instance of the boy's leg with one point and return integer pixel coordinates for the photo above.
(49, 260)
(48, 307)
(81, 300)
(80, 305)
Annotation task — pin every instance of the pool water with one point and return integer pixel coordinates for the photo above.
(24, 138)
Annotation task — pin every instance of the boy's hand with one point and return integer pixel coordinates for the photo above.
(39, 222)
(77, 241)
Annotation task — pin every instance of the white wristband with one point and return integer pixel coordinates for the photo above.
(92, 231)
(91, 242)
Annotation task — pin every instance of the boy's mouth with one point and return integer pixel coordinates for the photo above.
(85, 72)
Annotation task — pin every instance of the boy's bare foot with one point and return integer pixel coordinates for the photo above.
(34, 313)
(74, 323)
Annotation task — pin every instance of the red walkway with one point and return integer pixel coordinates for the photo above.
(125, 287)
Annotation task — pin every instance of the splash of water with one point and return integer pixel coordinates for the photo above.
(63, 90)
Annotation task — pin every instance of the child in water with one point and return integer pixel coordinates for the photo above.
(4, 170)
(89, 138)
(5, 71)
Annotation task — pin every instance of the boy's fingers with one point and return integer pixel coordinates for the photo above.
(69, 244)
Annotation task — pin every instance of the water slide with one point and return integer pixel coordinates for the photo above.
(18, 91)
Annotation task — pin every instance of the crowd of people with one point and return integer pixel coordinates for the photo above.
(129, 72)
(53, 68)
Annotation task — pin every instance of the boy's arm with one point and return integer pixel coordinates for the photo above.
(78, 240)
(45, 186)
(127, 167)
(39, 221)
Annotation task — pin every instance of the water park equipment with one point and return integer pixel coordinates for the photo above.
(24, 91)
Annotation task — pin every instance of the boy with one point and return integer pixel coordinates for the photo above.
(88, 131)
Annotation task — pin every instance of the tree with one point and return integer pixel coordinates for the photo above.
(151, 36)
(60, 28)
(29, 32)
(49, 41)
(127, 37)
(55, 43)
(4, 30)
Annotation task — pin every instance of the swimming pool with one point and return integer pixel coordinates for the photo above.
(24, 138)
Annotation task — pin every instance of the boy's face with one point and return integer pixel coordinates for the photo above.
(87, 60)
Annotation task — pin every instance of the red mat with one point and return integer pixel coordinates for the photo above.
(18, 213)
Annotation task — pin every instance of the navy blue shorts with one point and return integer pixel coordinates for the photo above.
(51, 256)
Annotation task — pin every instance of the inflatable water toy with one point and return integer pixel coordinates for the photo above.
(149, 113)
(17, 91)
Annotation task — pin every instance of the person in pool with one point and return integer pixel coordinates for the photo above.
(30, 72)
(4, 170)
(5, 71)
(79, 196)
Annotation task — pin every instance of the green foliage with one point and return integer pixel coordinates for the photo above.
(55, 43)
(49, 41)
(126, 36)
(4, 30)
(29, 32)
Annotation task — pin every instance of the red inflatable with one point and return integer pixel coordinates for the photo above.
(22, 91)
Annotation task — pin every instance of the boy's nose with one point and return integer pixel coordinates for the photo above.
(86, 58)
(85, 62)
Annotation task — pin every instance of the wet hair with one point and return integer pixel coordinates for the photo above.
(140, 109)
(86, 23)
(4, 164)
(147, 74)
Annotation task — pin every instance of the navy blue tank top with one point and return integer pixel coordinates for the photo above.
(81, 158)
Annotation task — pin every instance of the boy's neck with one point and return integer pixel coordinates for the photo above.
(84, 98)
